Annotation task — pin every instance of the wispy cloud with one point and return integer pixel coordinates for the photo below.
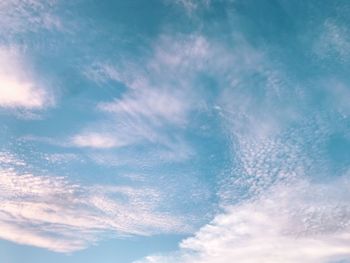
(54, 213)
(95, 140)
(274, 208)
(139, 116)
(333, 42)
(159, 97)
(191, 5)
(163, 94)
(18, 16)
(156, 106)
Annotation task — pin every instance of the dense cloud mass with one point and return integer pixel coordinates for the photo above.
(301, 222)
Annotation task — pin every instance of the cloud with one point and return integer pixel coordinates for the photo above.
(61, 158)
(164, 92)
(52, 212)
(6, 158)
(95, 140)
(158, 99)
(19, 88)
(276, 207)
(175, 153)
(156, 106)
(333, 42)
(192, 5)
(273, 210)
(19, 16)
(298, 222)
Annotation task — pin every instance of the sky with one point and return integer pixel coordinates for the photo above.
(167, 131)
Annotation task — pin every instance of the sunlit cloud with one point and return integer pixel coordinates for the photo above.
(20, 88)
(52, 212)
(274, 210)
(95, 140)
(301, 222)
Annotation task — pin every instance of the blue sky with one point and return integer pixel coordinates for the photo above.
(208, 131)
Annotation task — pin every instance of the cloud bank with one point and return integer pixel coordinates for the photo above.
(298, 222)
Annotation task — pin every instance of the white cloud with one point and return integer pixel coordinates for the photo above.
(274, 211)
(156, 106)
(53, 213)
(300, 222)
(176, 152)
(95, 140)
(16, 93)
(19, 89)
(159, 97)
(7, 158)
